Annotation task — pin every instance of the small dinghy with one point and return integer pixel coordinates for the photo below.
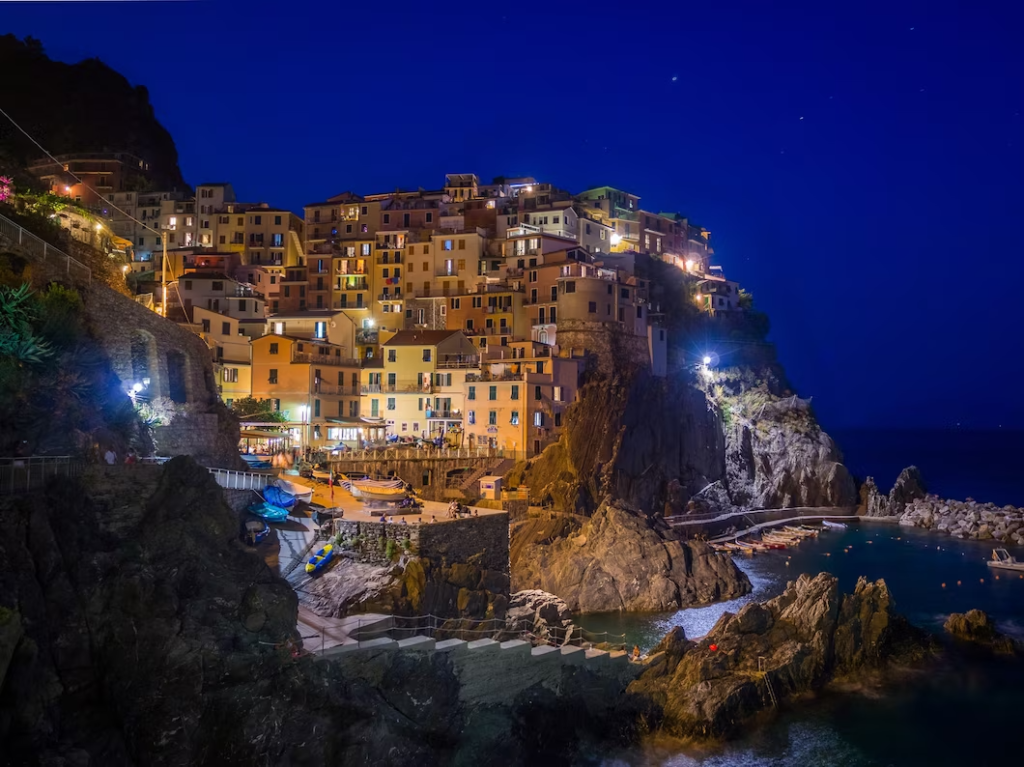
(378, 490)
(321, 559)
(1003, 560)
(275, 495)
(256, 531)
(269, 511)
(833, 525)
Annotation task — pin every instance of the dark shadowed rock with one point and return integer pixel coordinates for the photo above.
(976, 627)
(909, 486)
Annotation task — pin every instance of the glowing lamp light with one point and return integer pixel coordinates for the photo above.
(136, 387)
(616, 239)
(369, 323)
(99, 227)
(707, 360)
(124, 269)
(689, 264)
(529, 189)
(67, 189)
(698, 297)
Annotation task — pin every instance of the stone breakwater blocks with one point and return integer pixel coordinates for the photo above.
(416, 643)
(483, 645)
(516, 647)
(573, 655)
(619, 658)
(370, 645)
(453, 646)
(545, 651)
(596, 656)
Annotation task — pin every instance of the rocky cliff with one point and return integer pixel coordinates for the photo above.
(134, 629)
(798, 642)
(615, 561)
(909, 487)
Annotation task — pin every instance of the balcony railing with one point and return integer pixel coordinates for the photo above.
(445, 415)
(390, 297)
(389, 246)
(349, 285)
(465, 362)
(402, 387)
(486, 375)
(324, 359)
(322, 387)
(500, 330)
(395, 259)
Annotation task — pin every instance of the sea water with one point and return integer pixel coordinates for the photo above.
(954, 714)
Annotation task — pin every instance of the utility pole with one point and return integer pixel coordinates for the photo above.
(163, 274)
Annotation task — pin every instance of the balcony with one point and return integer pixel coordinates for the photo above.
(322, 387)
(345, 306)
(500, 330)
(324, 359)
(389, 245)
(395, 259)
(443, 415)
(458, 364)
(353, 285)
(389, 297)
(401, 387)
(365, 336)
(444, 272)
(487, 375)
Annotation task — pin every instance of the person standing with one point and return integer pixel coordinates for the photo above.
(110, 456)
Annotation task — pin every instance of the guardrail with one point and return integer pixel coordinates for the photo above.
(241, 480)
(44, 250)
(19, 475)
(436, 627)
(425, 453)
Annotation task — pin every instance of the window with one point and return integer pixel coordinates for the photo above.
(492, 418)
(570, 287)
(554, 292)
(206, 326)
(533, 276)
(558, 419)
(188, 284)
(391, 403)
(456, 303)
(277, 240)
(462, 244)
(461, 263)
(514, 420)
(316, 408)
(225, 328)
(557, 395)
(273, 376)
(405, 426)
(515, 391)
(287, 291)
(273, 348)
(320, 330)
(536, 392)
(258, 220)
(223, 239)
(392, 355)
(447, 244)
(364, 249)
(387, 218)
(538, 418)
(426, 355)
(592, 307)
(277, 406)
(430, 217)
(492, 393)
(230, 375)
(472, 417)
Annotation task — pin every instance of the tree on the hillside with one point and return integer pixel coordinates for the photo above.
(252, 409)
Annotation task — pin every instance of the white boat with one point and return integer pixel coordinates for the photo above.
(1002, 559)
(378, 490)
(301, 492)
(833, 525)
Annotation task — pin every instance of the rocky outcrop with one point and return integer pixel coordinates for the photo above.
(616, 561)
(541, 613)
(797, 642)
(776, 454)
(966, 519)
(977, 628)
(909, 487)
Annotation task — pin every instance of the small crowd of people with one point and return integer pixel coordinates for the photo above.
(456, 510)
(110, 457)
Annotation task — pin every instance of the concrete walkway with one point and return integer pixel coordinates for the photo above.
(320, 634)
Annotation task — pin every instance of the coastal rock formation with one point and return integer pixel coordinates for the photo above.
(616, 561)
(976, 627)
(539, 612)
(796, 642)
(777, 455)
(909, 487)
(966, 519)
(135, 629)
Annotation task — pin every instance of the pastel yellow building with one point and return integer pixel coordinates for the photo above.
(229, 339)
(417, 385)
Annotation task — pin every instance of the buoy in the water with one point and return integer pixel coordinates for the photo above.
(787, 564)
(958, 583)
(943, 585)
(981, 580)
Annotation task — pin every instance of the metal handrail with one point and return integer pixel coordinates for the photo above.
(42, 249)
(20, 475)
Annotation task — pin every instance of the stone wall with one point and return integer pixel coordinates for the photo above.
(483, 539)
(610, 345)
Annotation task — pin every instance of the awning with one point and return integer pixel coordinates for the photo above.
(257, 434)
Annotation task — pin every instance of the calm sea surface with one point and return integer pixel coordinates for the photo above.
(962, 714)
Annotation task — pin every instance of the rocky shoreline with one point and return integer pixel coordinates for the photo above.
(966, 519)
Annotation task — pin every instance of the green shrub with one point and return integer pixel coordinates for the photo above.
(390, 549)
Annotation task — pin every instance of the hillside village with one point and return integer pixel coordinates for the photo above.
(457, 316)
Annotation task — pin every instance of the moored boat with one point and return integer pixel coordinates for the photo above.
(299, 492)
(833, 525)
(256, 531)
(269, 511)
(1003, 560)
(278, 496)
(378, 490)
(321, 559)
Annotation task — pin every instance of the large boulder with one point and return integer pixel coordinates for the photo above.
(617, 561)
(976, 627)
(909, 487)
(872, 502)
(794, 643)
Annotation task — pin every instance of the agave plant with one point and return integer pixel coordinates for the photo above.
(17, 339)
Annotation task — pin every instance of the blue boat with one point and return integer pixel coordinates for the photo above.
(256, 531)
(269, 511)
(278, 497)
(321, 559)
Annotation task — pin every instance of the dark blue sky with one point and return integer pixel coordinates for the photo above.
(860, 165)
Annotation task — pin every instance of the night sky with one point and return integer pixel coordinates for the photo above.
(860, 165)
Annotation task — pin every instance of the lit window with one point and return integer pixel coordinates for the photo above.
(492, 418)
(515, 418)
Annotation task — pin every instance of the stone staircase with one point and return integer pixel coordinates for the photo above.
(490, 671)
(496, 467)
